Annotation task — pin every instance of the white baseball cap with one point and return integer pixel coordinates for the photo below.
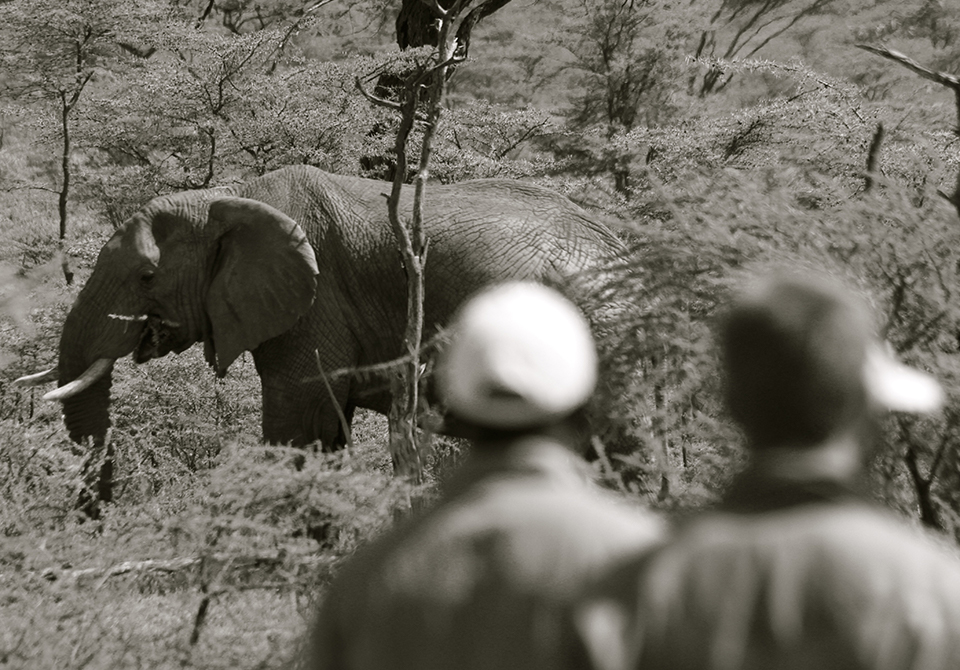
(520, 355)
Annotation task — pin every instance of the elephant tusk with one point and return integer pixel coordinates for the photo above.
(50, 375)
(84, 381)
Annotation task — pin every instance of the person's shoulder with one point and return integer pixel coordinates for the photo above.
(850, 547)
(854, 524)
(864, 533)
(615, 511)
(848, 541)
(582, 509)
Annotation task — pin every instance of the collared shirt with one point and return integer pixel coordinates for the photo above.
(785, 574)
(482, 579)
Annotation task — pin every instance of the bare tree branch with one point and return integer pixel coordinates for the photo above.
(950, 80)
(344, 424)
(389, 104)
(217, 562)
(206, 13)
(929, 515)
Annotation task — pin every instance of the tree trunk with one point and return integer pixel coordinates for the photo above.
(64, 187)
(405, 447)
(929, 514)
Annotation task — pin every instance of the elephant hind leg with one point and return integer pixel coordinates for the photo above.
(327, 426)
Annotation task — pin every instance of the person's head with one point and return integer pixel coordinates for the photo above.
(803, 364)
(520, 359)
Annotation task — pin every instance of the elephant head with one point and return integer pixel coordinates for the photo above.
(191, 267)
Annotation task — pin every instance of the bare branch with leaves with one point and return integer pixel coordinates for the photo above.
(421, 98)
(951, 81)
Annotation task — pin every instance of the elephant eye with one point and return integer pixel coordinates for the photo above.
(146, 278)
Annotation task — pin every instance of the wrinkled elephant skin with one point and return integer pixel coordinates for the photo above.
(299, 267)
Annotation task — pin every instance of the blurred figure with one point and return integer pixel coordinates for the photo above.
(795, 569)
(482, 580)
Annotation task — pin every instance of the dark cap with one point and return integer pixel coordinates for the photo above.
(803, 363)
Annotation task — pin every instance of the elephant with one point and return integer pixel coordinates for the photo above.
(300, 267)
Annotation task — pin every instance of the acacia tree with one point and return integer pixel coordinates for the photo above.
(54, 51)
(625, 57)
(217, 108)
(782, 182)
(739, 29)
(930, 452)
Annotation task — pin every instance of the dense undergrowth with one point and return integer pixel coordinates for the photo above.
(215, 550)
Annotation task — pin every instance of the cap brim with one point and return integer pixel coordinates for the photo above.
(899, 388)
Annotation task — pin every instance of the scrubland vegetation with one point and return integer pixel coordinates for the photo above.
(712, 168)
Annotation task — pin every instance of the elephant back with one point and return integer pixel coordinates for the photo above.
(503, 229)
(541, 211)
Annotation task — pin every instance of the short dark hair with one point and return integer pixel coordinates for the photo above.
(794, 350)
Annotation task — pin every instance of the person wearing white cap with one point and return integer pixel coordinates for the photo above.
(795, 569)
(482, 580)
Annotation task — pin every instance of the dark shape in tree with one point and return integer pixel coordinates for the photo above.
(139, 52)
(417, 26)
(247, 16)
(417, 23)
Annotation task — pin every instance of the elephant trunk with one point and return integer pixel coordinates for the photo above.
(89, 344)
(84, 390)
(87, 414)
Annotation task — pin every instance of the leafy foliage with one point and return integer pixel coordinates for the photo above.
(626, 57)
(223, 109)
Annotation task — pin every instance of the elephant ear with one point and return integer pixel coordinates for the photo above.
(264, 277)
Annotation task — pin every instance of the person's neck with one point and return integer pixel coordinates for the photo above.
(532, 453)
(838, 458)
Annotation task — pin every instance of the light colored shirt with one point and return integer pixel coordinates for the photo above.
(788, 575)
(482, 580)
